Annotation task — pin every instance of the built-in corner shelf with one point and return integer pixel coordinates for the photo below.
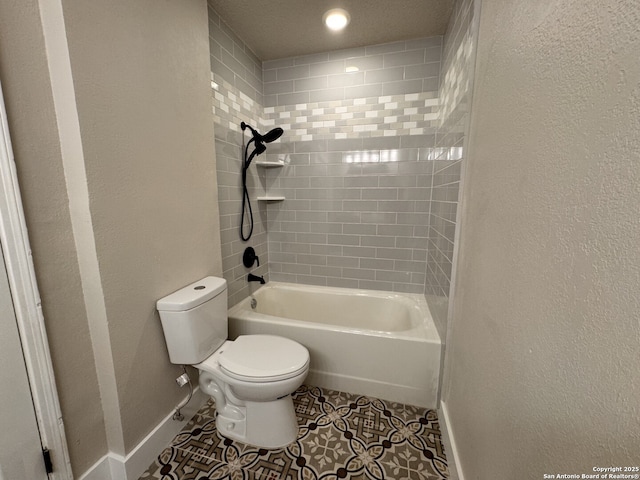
(271, 198)
(269, 164)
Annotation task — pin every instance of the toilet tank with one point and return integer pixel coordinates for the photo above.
(194, 320)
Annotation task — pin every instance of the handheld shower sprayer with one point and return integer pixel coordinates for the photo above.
(259, 141)
(259, 147)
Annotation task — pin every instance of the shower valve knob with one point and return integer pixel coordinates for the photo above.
(249, 257)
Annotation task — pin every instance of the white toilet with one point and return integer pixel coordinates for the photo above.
(251, 378)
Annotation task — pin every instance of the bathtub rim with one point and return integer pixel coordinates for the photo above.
(426, 331)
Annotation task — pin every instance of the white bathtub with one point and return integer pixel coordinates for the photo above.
(368, 342)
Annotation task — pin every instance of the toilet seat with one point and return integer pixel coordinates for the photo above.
(263, 358)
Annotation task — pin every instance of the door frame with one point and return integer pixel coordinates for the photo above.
(28, 308)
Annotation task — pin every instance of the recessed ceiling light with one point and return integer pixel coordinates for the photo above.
(336, 19)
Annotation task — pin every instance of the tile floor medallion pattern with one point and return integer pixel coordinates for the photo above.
(341, 435)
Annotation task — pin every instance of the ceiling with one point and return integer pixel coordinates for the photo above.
(286, 28)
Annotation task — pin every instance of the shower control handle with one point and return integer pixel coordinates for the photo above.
(249, 257)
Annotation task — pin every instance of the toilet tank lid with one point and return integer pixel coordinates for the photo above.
(192, 295)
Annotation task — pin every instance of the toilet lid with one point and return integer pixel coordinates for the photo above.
(263, 356)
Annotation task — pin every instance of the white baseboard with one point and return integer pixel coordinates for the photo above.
(116, 467)
(453, 459)
(101, 470)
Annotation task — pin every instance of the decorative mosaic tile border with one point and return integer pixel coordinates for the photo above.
(391, 115)
(232, 106)
(341, 436)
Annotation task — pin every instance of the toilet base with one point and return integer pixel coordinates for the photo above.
(265, 424)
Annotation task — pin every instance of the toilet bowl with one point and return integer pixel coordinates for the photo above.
(254, 405)
(251, 378)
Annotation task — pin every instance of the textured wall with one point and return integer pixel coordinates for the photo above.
(36, 146)
(143, 101)
(542, 365)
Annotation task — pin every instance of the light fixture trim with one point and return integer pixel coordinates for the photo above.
(336, 19)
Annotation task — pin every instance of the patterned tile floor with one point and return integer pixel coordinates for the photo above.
(342, 435)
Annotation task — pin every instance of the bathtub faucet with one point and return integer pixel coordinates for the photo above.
(254, 278)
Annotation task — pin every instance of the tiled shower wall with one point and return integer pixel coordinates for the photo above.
(455, 94)
(359, 153)
(236, 82)
(455, 90)
(355, 215)
(390, 69)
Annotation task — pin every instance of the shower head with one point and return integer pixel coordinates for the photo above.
(270, 136)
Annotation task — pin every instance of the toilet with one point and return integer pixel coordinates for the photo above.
(251, 378)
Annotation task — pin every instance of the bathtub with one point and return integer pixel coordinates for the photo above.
(382, 344)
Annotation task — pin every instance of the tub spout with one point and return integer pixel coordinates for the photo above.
(254, 278)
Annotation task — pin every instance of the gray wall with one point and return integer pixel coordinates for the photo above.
(125, 134)
(150, 172)
(26, 83)
(542, 363)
